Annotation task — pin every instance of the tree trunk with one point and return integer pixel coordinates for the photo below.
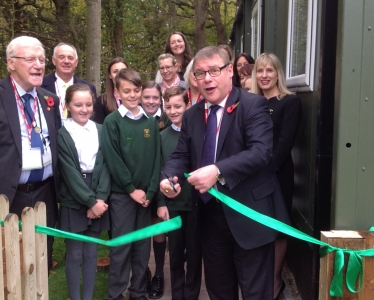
(173, 15)
(93, 43)
(220, 28)
(62, 25)
(201, 7)
(118, 28)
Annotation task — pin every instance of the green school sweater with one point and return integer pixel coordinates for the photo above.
(169, 140)
(132, 152)
(73, 190)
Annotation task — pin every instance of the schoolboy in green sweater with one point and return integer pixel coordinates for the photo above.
(185, 284)
(131, 147)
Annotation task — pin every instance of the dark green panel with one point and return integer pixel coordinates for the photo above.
(275, 28)
(353, 203)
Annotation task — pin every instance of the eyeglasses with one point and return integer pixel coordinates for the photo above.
(167, 68)
(31, 60)
(213, 72)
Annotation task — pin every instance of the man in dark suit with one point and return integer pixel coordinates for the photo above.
(236, 249)
(65, 59)
(29, 121)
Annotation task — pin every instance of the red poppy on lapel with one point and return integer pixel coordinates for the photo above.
(231, 108)
(49, 100)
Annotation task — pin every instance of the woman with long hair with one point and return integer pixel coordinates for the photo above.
(286, 112)
(241, 60)
(178, 45)
(109, 101)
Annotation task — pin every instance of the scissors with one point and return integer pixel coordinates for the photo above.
(170, 180)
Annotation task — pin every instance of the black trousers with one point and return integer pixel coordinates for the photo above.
(228, 265)
(185, 284)
(46, 193)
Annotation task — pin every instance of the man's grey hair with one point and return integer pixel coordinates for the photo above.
(65, 44)
(20, 42)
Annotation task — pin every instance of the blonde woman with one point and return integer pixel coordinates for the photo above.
(285, 110)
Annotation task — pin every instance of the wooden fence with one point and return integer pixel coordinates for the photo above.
(24, 271)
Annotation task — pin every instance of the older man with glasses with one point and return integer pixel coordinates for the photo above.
(168, 69)
(29, 123)
(226, 143)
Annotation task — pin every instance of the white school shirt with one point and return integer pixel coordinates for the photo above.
(125, 112)
(86, 142)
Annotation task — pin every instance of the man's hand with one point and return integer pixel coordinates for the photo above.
(167, 189)
(204, 178)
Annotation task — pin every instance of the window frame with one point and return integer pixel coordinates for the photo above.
(257, 8)
(303, 82)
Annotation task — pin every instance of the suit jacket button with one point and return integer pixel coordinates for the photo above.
(19, 165)
(14, 188)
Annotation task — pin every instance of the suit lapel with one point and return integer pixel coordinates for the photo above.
(227, 119)
(50, 83)
(199, 127)
(10, 107)
(49, 117)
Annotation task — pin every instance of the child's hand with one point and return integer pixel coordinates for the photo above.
(90, 214)
(99, 208)
(139, 196)
(163, 213)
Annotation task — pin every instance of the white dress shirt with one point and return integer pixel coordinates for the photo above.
(26, 144)
(86, 142)
(61, 87)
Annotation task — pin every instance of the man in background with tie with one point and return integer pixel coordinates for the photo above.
(29, 121)
(226, 143)
(65, 59)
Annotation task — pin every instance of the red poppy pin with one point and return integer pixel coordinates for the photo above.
(49, 100)
(231, 108)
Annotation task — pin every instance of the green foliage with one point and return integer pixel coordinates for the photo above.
(145, 27)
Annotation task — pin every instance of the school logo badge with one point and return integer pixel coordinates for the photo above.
(146, 133)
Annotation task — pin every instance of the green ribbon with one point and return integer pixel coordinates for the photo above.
(131, 237)
(355, 262)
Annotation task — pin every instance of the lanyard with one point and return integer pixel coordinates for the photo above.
(21, 104)
(206, 110)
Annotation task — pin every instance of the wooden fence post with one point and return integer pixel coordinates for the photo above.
(28, 245)
(41, 253)
(4, 210)
(13, 264)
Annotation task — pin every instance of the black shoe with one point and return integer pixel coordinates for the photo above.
(157, 289)
(147, 279)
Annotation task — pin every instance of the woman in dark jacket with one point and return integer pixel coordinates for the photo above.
(286, 112)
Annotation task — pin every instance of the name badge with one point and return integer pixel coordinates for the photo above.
(47, 158)
(31, 159)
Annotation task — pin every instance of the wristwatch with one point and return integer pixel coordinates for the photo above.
(220, 178)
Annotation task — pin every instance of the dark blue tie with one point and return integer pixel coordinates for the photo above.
(209, 147)
(36, 142)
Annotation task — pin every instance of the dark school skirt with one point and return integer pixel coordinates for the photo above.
(75, 220)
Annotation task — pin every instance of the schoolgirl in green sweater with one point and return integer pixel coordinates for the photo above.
(84, 189)
(131, 146)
